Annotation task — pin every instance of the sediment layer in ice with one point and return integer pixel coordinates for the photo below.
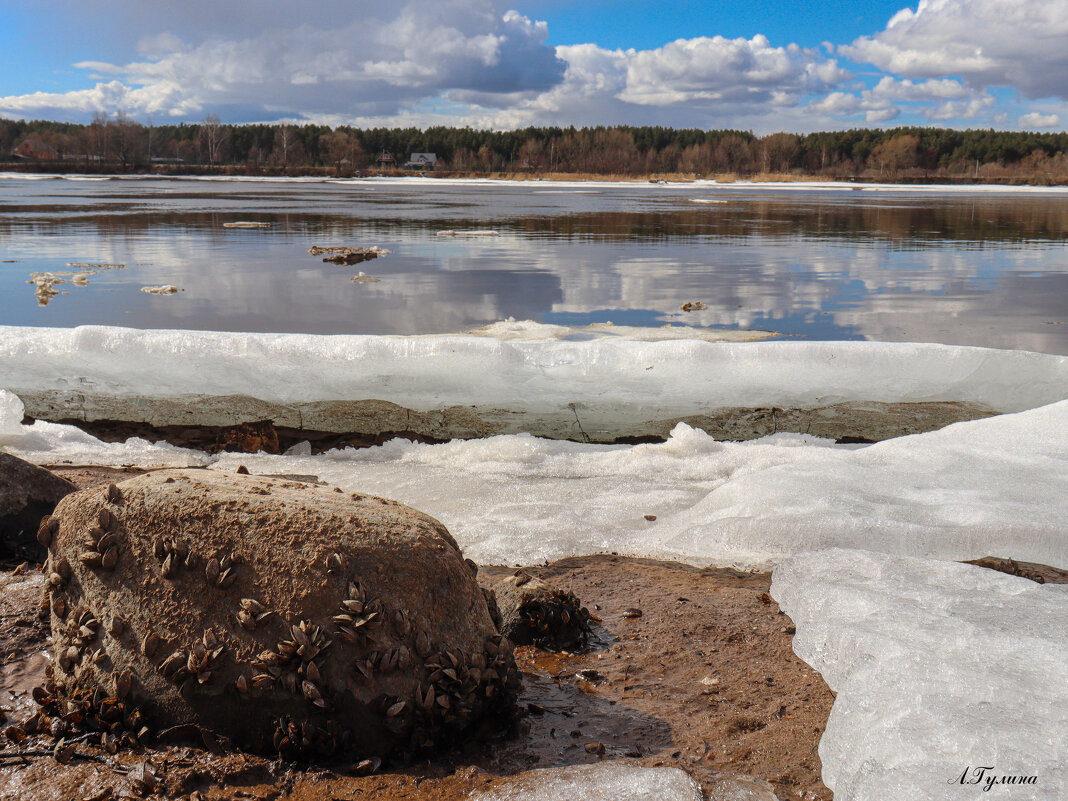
(990, 487)
(466, 385)
(940, 669)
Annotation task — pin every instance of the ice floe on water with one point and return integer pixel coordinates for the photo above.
(947, 676)
(596, 376)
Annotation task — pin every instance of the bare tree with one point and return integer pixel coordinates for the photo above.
(123, 133)
(96, 139)
(214, 136)
(285, 140)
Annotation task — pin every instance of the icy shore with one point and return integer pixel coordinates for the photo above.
(947, 676)
(545, 383)
(940, 668)
(988, 487)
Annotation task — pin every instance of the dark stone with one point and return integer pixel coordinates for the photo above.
(534, 613)
(27, 494)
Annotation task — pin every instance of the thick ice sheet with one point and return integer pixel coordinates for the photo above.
(940, 669)
(992, 487)
(603, 376)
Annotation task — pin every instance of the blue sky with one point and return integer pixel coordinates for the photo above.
(784, 65)
(646, 25)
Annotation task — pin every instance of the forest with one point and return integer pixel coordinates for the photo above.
(906, 154)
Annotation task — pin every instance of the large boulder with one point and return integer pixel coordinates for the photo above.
(290, 617)
(27, 493)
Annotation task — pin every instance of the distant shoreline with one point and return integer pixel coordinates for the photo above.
(239, 171)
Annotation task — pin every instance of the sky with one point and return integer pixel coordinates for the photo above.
(793, 65)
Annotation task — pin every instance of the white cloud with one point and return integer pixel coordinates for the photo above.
(357, 68)
(1038, 120)
(705, 82)
(706, 70)
(1021, 44)
(475, 62)
(940, 99)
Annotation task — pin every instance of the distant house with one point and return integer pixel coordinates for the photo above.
(33, 149)
(422, 161)
(385, 159)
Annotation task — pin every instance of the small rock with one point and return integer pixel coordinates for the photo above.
(725, 787)
(250, 438)
(534, 613)
(631, 613)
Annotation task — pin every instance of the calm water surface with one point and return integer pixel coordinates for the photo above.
(976, 268)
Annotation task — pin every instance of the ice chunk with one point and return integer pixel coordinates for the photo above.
(606, 780)
(11, 414)
(610, 379)
(946, 674)
(53, 444)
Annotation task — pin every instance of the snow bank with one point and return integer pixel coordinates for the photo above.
(990, 487)
(942, 671)
(52, 444)
(610, 780)
(613, 383)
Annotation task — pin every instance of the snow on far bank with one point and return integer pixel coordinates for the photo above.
(599, 377)
(541, 184)
(991, 487)
(947, 676)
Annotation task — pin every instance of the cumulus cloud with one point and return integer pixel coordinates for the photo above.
(1038, 120)
(704, 70)
(939, 99)
(359, 68)
(1013, 43)
(475, 62)
(705, 82)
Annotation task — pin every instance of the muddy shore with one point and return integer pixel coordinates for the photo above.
(704, 679)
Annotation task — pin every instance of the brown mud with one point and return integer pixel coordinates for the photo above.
(689, 668)
(704, 679)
